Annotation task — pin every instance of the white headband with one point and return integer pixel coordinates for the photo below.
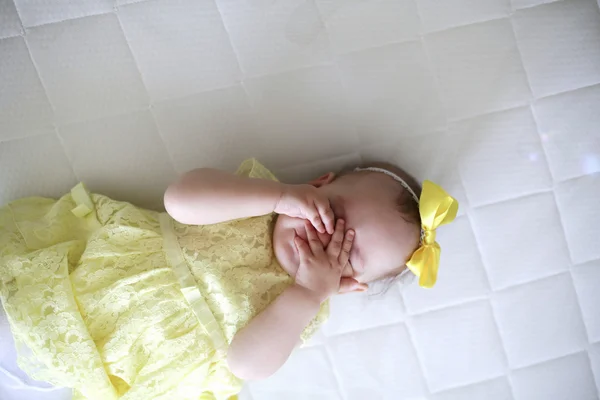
(392, 175)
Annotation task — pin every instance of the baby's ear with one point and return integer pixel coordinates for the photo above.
(348, 285)
(323, 180)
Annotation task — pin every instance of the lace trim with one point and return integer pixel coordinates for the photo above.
(189, 287)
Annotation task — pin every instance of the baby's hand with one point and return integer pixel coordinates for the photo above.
(320, 270)
(305, 201)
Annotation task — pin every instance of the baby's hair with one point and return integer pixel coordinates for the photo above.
(407, 206)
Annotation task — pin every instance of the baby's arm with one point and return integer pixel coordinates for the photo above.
(259, 349)
(208, 196)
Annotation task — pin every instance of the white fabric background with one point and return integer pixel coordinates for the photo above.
(496, 100)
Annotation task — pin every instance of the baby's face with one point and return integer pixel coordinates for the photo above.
(384, 241)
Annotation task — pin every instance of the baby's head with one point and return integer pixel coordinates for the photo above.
(383, 214)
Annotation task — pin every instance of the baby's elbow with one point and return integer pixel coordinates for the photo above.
(246, 370)
(240, 370)
(173, 202)
(183, 198)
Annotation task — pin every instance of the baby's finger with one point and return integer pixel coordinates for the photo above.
(313, 240)
(327, 216)
(315, 218)
(335, 246)
(348, 285)
(346, 247)
(303, 249)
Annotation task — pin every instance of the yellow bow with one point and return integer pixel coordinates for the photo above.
(436, 208)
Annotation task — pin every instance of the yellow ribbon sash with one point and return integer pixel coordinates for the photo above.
(436, 208)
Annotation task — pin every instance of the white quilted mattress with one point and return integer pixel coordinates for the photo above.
(497, 100)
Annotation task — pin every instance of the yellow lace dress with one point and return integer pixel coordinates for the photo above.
(118, 302)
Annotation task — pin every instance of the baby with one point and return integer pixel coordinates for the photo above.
(119, 302)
